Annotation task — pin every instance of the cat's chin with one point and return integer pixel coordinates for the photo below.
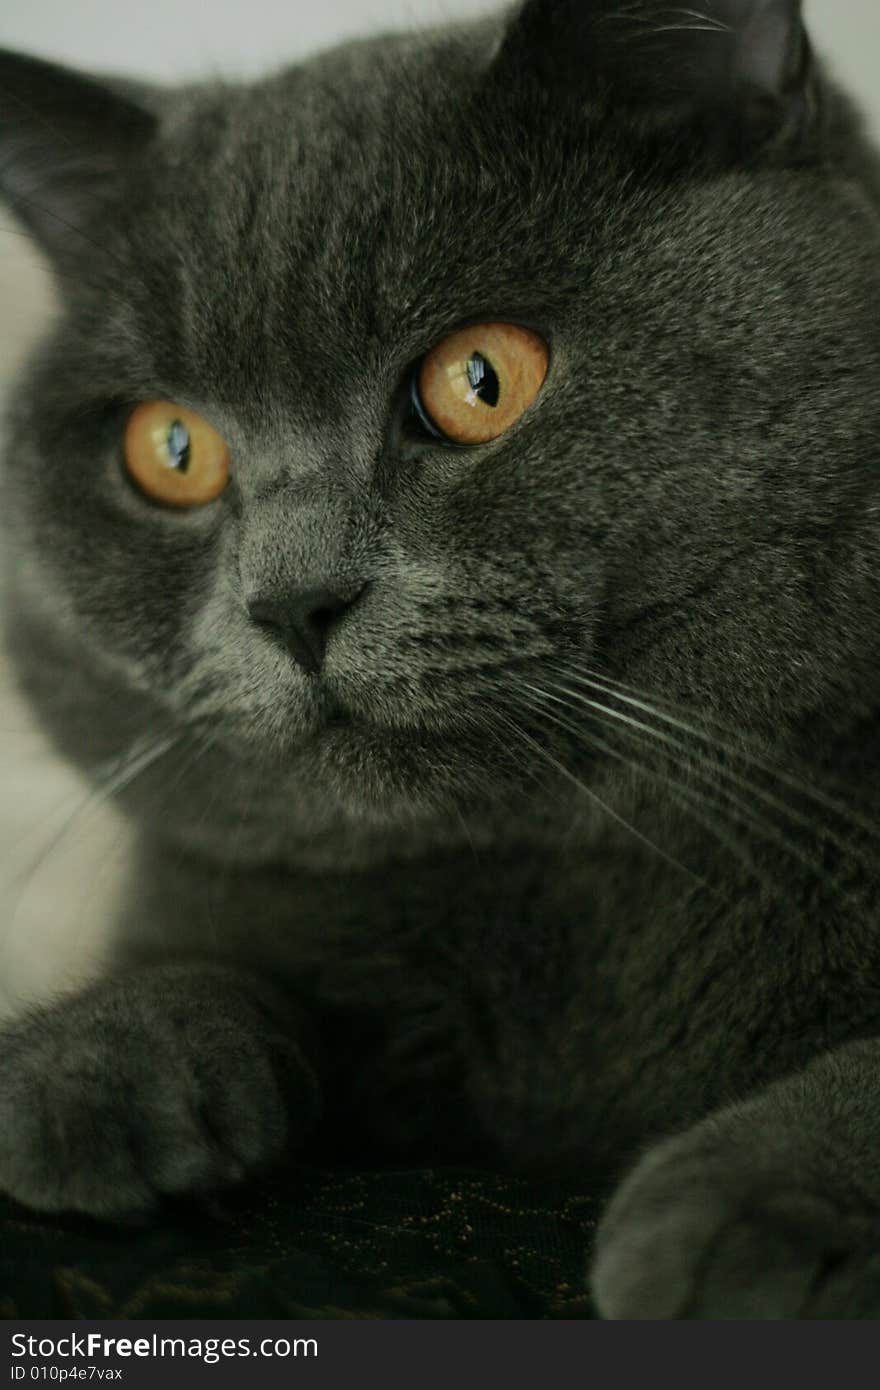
(348, 795)
(393, 774)
(361, 773)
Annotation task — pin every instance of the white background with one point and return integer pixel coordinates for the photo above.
(60, 854)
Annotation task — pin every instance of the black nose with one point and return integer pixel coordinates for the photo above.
(303, 620)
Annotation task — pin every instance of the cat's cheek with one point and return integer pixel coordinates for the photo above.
(114, 576)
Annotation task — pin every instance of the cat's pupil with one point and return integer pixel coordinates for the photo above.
(178, 446)
(483, 379)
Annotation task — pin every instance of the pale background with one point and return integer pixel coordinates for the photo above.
(60, 853)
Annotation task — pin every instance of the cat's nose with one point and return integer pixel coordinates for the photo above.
(303, 620)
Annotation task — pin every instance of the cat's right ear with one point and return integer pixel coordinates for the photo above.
(741, 68)
(65, 140)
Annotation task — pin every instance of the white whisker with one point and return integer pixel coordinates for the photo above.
(783, 778)
(114, 777)
(603, 805)
(696, 801)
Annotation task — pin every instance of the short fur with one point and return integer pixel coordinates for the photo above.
(570, 847)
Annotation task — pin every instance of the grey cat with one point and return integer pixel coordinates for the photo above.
(447, 517)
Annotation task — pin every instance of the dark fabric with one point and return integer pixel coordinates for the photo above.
(430, 1244)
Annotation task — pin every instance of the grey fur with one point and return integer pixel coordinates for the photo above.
(413, 878)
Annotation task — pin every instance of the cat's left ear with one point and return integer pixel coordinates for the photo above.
(740, 64)
(65, 141)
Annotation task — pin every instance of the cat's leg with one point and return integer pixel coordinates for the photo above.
(171, 1079)
(767, 1209)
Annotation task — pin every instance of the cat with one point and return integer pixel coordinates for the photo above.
(446, 517)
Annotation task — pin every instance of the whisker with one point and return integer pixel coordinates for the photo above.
(696, 801)
(78, 794)
(57, 132)
(19, 199)
(784, 778)
(19, 232)
(110, 857)
(75, 279)
(120, 773)
(603, 805)
(725, 773)
(744, 748)
(506, 722)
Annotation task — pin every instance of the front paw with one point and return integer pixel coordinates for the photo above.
(170, 1082)
(706, 1228)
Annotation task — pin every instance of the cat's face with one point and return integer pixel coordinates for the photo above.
(689, 501)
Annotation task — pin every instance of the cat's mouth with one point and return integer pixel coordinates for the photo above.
(336, 716)
(359, 746)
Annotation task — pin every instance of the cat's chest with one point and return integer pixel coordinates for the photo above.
(571, 1013)
(641, 1011)
(564, 1008)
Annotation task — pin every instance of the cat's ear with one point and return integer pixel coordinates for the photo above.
(745, 62)
(65, 140)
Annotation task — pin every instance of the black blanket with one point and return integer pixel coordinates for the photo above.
(432, 1244)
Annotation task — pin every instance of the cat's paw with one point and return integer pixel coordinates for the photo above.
(164, 1084)
(705, 1230)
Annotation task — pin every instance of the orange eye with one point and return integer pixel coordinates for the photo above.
(174, 455)
(477, 383)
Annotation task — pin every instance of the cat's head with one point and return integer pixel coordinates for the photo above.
(482, 360)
